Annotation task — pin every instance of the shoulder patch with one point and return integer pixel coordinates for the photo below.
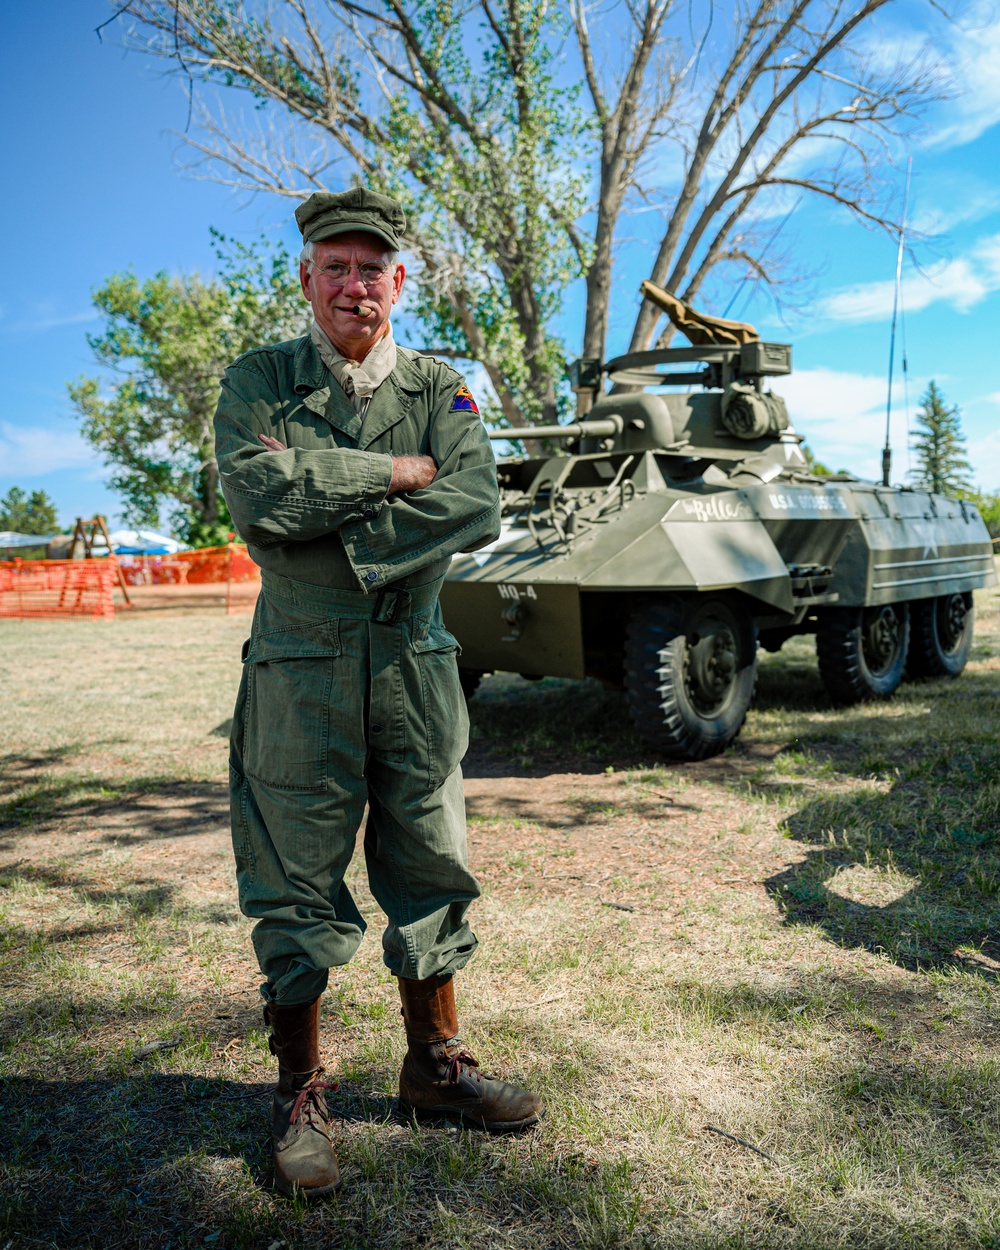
(463, 401)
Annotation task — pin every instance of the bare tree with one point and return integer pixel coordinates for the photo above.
(519, 136)
(792, 78)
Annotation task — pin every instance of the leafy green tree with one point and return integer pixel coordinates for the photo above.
(815, 466)
(28, 514)
(166, 343)
(988, 503)
(939, 445)
(519, 136)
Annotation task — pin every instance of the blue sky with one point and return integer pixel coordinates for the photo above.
(93, 185)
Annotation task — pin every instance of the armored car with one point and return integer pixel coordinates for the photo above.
(659, 542)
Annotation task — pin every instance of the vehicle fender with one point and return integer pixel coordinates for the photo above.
(704, 543)
(913, 546)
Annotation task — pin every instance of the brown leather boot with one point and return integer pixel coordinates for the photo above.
(304, 1161)
(441, 1078)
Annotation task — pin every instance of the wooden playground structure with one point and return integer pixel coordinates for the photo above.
(92, 585)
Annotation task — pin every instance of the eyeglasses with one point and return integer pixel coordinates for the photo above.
(337, 273)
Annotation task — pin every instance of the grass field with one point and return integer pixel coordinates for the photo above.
(796, 944)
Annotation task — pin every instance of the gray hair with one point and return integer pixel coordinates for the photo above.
(308, 254)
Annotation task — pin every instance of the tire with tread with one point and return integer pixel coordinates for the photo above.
(690, 671)
(940, 635)
(862, 651)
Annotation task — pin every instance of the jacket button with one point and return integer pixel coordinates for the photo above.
(369, 512)
(376, 729)
(371, 576)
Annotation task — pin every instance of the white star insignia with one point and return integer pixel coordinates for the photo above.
(925, 532)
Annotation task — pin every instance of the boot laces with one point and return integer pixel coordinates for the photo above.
(461, 1058)
(309, 1104)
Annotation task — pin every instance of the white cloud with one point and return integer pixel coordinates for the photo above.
(842, 415)
(984, 456)
(961, 282)
(46, 320)
(973, 51)
(829, 397)
(971, 205)
(30, 450)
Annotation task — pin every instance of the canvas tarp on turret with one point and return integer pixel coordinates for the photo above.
(701, 329)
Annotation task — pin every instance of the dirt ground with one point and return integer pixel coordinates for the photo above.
(759, 994)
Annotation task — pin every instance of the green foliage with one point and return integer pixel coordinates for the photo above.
(517, 135)
(988, 503)
(940, 447)
(476, 138)
(28, 514)
(167, 341)
(510, 180)
(815, 466)
(202, 531)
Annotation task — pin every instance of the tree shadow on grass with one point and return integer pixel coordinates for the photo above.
(146, 896)
(131, 811)
(165, 1160)
(16, 764)
(171, 1160)
(523, 728)
(123, 1163)
(909, 868)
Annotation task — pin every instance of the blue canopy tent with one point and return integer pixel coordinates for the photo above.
(144, 543)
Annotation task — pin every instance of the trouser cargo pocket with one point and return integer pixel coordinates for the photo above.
(290, 675)
(445, 720)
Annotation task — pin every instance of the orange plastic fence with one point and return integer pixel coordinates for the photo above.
(189, 568)
(228, 566)
(37, 588)
(31, 588)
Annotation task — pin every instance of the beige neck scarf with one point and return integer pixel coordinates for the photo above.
(359, 378)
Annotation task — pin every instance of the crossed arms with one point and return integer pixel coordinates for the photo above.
(394, 514)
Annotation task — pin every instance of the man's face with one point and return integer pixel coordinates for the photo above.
(335, 296)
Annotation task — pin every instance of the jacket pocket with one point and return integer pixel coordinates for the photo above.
(445, 718)
(290, 674)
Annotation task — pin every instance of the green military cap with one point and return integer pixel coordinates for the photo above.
(326, 214)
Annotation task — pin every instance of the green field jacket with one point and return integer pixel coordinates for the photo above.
(318, 512)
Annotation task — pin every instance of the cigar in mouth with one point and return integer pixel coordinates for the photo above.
(359, 311)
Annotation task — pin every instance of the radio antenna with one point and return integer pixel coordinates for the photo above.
(887, 449)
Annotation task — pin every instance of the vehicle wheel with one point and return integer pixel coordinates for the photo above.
(940, 635)
(690, 670)
(470, 679)
(862, 651)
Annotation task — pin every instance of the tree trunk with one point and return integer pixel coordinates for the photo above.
(595, 330)
(541, 384)
(208, 489)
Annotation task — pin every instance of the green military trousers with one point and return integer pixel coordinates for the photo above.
(348, 699)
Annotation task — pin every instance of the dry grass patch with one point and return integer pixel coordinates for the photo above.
(796, 944)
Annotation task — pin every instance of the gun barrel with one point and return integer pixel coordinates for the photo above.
(607, 427)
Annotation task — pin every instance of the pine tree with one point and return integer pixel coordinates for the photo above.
(940, 447)
(28, 514)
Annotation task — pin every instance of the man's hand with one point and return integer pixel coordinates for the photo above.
(411, 473)
(408, 472)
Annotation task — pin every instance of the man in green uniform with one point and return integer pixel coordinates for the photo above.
(354, 469)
